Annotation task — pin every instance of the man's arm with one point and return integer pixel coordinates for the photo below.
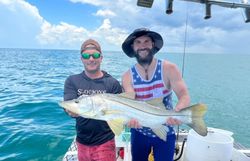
(126, 83)
(174, 80)
(69, 94)
(116, 87)
(69, 90)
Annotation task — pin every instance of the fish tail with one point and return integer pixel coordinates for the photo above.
(198, 124)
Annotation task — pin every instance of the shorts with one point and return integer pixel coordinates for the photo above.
(103, 152)
(142, 145)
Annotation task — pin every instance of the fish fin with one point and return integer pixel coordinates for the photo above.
(116, 125)
(198, 124)
(156, 102)
(129, 95)
(161, 132)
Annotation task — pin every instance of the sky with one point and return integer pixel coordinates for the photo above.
(65, 24)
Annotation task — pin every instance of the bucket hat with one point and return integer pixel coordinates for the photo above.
(156, 38)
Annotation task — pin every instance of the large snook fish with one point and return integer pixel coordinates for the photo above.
(118, 109)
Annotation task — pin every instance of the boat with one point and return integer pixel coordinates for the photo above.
(218, 145)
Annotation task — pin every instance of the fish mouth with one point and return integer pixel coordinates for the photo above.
(62, 104)
(65, 106)
(68, 106)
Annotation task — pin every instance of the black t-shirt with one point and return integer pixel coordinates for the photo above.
(90, 131)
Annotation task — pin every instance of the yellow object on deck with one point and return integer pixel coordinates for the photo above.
(151, 155)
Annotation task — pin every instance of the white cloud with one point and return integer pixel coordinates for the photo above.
(23, 26)
(222, 33)
(60, 35)
(27, 29)
(105, 13)
(19, 21)
(92, 2)
(110, 34)
(71, 36)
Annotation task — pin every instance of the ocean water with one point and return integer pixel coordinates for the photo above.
(33, 126)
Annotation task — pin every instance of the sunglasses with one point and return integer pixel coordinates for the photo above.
(94, 55)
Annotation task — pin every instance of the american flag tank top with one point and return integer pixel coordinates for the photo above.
(150, 89)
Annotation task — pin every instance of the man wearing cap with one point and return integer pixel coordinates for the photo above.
(95, 140)
(151, 78)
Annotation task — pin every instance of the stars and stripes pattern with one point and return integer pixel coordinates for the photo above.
(150, 89)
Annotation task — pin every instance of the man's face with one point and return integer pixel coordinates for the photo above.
(91, 60)
(143, 46)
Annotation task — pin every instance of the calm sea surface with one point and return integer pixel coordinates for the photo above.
(33, 126)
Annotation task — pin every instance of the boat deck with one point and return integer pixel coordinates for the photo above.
(242, 149)
(237, 146)
(241, 153)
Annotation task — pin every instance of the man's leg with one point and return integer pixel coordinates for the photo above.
(104, 152)
(140, 146)
(164, 151)
(83, 152)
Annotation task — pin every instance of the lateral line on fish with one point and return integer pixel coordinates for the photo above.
(146, 111)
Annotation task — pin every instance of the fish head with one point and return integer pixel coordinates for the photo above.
(92, 106)
(86, 106)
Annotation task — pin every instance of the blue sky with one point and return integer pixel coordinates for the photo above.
(65, 24)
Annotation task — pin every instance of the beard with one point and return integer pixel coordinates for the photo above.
(144, 61)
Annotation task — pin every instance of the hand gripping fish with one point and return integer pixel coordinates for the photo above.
(118, 109)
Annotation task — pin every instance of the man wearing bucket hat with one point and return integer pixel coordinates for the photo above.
(95, 140)
(151, 78)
